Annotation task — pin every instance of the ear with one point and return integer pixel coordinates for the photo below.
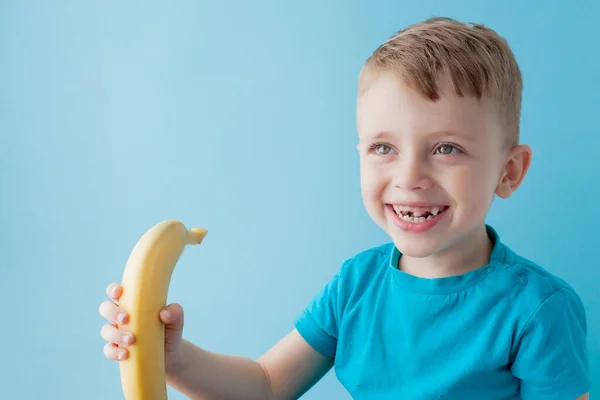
(514, 171)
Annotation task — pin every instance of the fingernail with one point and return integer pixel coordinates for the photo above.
(121, 355)
(120, 317)
(166, 314)
(127, 337)
(113, 290)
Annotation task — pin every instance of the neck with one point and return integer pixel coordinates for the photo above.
(471, 252)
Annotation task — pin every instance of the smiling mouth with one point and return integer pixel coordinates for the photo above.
(418, 214)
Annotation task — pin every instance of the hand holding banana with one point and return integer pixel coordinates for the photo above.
(144, 334)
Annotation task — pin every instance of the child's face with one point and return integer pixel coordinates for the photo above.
(438, 164)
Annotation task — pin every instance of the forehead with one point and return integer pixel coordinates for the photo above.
(389, 105)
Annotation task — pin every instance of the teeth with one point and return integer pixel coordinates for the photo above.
(415, 219)
(416, 214)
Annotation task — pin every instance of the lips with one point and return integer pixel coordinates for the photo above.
(416, 218)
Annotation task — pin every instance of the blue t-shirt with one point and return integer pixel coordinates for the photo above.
(508, 330)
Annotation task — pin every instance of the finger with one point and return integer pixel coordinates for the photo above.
(172, 316)
(112, 334)
(114, 290)
(113, 352)
(113, 313)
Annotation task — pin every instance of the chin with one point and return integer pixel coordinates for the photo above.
(416, 247)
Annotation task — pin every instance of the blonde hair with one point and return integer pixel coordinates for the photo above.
(475, 59)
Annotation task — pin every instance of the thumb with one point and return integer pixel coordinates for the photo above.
(172, 317)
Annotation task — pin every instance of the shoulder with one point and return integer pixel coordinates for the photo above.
(360, 274)
(357, 272)
(366, 264)
(536, 286)
(319, 322)
(542, 301)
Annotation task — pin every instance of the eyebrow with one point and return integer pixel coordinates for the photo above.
(388, 135)
(381, 135)
(452, 134)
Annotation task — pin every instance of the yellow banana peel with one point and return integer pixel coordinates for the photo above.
(145, 283)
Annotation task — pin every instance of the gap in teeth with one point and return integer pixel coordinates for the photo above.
(417, 215)
(416, 219)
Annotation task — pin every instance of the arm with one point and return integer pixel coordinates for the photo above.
(293, 366)
(286, 371)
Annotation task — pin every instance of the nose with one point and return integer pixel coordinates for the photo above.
(412, 174)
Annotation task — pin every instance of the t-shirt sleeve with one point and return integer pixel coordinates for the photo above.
(319, 321)
(550, 356)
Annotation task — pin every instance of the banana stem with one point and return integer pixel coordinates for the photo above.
(195, 235)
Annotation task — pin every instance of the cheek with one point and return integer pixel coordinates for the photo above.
(474, 190)
(373, 183)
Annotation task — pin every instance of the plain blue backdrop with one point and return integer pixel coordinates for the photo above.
(238, 117)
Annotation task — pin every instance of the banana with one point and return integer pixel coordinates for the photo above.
(145, 283)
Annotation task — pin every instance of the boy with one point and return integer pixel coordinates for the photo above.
(445, 310)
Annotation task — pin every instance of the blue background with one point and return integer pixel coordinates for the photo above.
(239, 117)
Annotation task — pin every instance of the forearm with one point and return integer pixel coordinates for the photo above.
(203, 375)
